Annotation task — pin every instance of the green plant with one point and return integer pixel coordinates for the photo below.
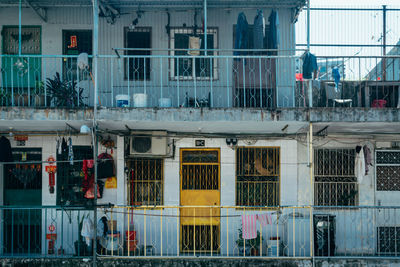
(64, 93)
(250, 243)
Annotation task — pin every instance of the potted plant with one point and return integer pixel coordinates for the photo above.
(249, 246)
(64, 93)
(38, 94)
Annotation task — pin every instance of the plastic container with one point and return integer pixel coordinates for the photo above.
(379, 103)
(122, 101)
(140, 100)
(164, 102)
(272, 246)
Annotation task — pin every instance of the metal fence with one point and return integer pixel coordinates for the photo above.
(216, 81)
(217, 231)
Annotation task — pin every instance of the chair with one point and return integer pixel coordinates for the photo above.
(335, 95)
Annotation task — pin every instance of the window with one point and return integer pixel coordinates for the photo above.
(258, 176)
(137, 67)
(185, 68)
(335, 182)
(388, 240)
(388, 170)
(70, 177)
(146, 181)
(76, 42)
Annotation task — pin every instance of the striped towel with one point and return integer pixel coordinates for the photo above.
(249, 226)
(264, 219)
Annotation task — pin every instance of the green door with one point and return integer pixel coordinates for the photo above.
(21, 74)
(23, 188)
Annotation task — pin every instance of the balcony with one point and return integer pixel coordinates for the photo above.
(220, 80)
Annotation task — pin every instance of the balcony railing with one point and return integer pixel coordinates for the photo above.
(220, 80)
(165, 231)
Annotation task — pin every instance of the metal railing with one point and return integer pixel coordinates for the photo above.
(202, 231)
(215, 81)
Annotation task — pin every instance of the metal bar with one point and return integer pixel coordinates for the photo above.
(308, 25)
(205, 26)
(384, 43)
(19, 28)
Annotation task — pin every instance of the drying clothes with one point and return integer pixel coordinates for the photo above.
(70, 152)
(264, 219)
(273, 37)
(87, 230)
(194, 43)
(102, 227)
(310, 65)
(249, 226)
(336, 77)
(359, 164)
(64, 148)
(367, 158)
(259, 30)
(242, 36)
(5, 150)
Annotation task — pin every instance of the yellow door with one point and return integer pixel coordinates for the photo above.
(200, 186)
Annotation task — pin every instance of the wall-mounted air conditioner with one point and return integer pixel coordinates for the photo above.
(153, 143)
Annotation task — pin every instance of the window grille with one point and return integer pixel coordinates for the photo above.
(186, 68)
(146, 181)
(388, 170)
(335, 181)
(388, 240)
(257, 176)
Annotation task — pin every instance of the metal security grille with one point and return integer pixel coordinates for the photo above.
(200, 238)
(257, 176)
(30, 37)
(200, 170)
(388, 170)
(335, 181)
(388, 240)
(146, 181)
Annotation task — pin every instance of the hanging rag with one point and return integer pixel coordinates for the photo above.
(259, 30)
(87, 230)
(70, 152)
(264, 219)
(241, 39)
(359, 164)
(336, 77)
(194, 43)
(102, 227)
(249, 226)
(310, 65)
(367, 158)
(273, 37)
(5, 150)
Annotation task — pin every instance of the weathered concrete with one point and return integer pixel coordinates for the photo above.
(178, 262)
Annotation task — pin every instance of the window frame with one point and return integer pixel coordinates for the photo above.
(190, 31)
(127, 76)
(378, 164)
(131, 200)
(334, 178)
(277, 199)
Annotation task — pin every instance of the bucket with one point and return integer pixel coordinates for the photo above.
(164, 102)
(122, 101)
(140, 100)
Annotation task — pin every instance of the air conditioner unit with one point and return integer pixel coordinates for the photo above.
(152, 143)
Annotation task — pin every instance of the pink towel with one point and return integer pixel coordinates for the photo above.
(249, 226)
(264, 219)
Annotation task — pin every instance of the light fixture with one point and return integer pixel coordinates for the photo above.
(84, 129)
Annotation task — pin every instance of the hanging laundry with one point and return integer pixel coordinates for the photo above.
(264, 219)
(5, 150)
(273, 37)
(359, 164)
(259, 30)
(336, 77)
(87, 230)
(241, 39)
(64, 148)
(310, 65)
(70, 152)
(249, 226)
(367, 158)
